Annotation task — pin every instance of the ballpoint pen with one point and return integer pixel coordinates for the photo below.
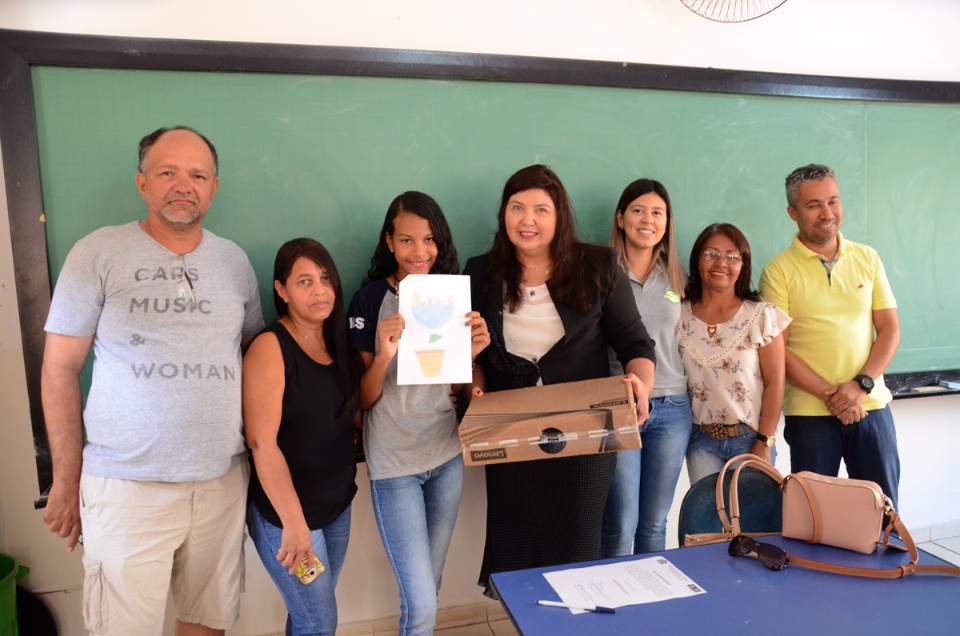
(585, 608)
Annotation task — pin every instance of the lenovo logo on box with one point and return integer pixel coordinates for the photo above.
(488, 455)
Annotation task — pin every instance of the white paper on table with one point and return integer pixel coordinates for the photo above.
(435, 346)
(623, 583)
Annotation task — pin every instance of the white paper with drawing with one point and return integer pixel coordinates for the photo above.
(435, 346)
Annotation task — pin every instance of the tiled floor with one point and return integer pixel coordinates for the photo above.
(947, 549)
(497, 628)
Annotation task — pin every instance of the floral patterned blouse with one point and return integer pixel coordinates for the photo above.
(723, 371)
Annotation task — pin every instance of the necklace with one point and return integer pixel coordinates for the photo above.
(711, 331)
(545, 269)
(307, 337)
(304, 336)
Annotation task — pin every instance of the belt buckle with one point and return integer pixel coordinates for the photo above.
(716, 431)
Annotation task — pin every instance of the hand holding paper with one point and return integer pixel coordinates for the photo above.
(389, 331)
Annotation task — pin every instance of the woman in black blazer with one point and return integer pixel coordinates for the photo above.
(553, 305)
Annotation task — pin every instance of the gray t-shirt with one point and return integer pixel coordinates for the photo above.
(412, 428)
(164, 402)
(660, 312)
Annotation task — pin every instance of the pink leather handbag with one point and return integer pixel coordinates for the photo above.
(844, 513)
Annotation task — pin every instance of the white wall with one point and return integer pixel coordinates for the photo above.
(862, 38)
(859, 38)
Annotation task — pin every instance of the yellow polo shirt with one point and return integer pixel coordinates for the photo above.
(832, 329)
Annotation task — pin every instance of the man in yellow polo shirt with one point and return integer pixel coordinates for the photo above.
(844, 333)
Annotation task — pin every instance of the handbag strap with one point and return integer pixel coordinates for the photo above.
(888, 573)
(732, 524)
(814, 505)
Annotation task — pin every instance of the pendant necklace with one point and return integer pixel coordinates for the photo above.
(546, 270)
(306, 337)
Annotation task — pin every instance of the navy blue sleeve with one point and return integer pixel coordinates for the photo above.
(363, 314)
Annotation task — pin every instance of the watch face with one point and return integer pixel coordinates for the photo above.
(866, 382)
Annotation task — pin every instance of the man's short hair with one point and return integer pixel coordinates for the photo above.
(149, 140)
(814, 171)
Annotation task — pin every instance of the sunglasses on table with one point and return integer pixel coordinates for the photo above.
(771, 556)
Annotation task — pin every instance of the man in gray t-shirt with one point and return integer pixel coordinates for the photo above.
(154, 468)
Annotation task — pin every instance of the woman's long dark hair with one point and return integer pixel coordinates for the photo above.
(742, 287)
(576, 267)
(383, 263)
(335, 326)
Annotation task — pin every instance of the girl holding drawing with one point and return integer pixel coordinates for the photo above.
(410, 434)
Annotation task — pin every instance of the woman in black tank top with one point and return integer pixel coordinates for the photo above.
(300, 383)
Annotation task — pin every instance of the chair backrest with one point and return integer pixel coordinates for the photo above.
(761, 504)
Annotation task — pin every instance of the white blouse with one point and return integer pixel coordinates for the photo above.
(535, 327)
(723, 371)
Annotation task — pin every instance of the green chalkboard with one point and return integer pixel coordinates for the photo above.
(322, 156)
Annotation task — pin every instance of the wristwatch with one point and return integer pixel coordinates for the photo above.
(767, 440)
(865, 382)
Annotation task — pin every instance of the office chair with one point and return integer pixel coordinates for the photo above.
(761, 504)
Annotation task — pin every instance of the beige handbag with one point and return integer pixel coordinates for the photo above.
(844, 513)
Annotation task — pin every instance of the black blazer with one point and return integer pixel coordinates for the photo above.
(581, 354)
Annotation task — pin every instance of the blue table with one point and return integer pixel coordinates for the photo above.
(743, 597)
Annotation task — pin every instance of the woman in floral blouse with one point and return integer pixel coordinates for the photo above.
(732, 347)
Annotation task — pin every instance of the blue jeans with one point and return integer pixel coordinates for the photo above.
(311, 609)
(416, 515)
(868, 448)
(706, 455)
(645, 480)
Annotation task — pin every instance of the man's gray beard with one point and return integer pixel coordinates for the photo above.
(178, 223)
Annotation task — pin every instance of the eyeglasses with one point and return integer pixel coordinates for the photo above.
(710, 255)
(772, 556)
(184, 284)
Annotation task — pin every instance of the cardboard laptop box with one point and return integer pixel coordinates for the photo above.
(558, 420)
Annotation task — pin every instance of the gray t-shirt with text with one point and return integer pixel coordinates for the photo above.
(164, 401)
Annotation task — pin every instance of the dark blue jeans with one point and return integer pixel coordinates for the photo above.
(868, 448)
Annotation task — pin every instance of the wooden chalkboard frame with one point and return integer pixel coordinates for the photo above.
(19, 50)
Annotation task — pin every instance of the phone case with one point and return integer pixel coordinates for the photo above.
(307, 572)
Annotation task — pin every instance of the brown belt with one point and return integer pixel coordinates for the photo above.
(723, 431)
